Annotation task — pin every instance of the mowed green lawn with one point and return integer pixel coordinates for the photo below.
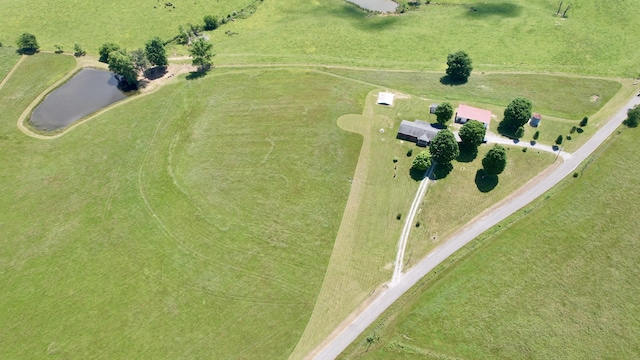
(8, 58)
(556, 280)
(518, 35)
(196, 221)
(92, 23)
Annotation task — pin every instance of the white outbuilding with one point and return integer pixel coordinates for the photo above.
(385, 98)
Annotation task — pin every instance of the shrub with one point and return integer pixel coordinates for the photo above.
(573, 129)
(536, 135)
(410, 152)
(559, 140)
(524, 149)
(520, 132)
(575, 174)
(395, 159)
(584, 121)
(418, 224)
(78, 50)
(399, 216)
(210, 22)
(59, 48)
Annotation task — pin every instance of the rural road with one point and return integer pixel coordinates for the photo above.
(465, 235)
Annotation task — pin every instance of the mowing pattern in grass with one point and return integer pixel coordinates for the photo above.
(92, 23)
(559, 283)
(519, 35)
(8, 57)
(196, 221)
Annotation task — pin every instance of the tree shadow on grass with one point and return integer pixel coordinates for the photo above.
(467, 154)
(441, 171)
(417, 175)
(484, 182)
(27, 51)
(448, 80)
(504, 9)
(155, 72)
(196, 75)
(505, 130)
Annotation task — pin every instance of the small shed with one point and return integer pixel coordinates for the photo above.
(432, 108)
(535, 120)
(466, 113)
(385, 98)
(419, 132)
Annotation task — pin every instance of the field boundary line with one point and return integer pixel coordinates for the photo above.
(13, 69)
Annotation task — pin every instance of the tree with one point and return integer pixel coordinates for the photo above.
(59, 48)
(633, 117)
(140, 61)
(495, 161)
(536, 135)
(123, 66)
(584, 121)
(444, 112)
(444, 147)
(422, 161)
(210, 22)
(106, 49)
(459, 66)
(201, 53)
(517, 113)
(472, 134)
(520, 132)
(559, 140)
(154, 49)
(27, 43)
(78, 50)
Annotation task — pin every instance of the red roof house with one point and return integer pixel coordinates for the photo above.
(466, 113)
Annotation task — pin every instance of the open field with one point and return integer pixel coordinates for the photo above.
(555, 280)
(8, 57)
(179, 224)
(92, 23)
(521, 35)
(598, 38)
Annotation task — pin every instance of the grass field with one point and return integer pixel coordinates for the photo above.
(179, 224)
(92, 23)
(597, 39)
(556, 280)
(8, 57)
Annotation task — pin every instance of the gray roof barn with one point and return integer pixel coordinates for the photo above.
(418, 131)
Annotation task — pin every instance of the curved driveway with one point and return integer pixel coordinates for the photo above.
(464, 236)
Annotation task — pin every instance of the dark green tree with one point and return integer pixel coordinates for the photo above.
(520, 132)
(536, 135)
(201, 53)
(210, 22)
(459, 66)
(140, 61)
(584, 121)
(559, 139)
(422, 161)
(106, 49)
(444, 147)
(517, 113)
(472, 134)
(633, 117)
(444, 112)
(125, 70)
(495, 161)
(27, 43)
(156, 54)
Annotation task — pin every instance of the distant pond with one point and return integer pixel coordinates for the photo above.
(376, 5)
(87, 92)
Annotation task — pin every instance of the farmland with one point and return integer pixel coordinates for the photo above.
(245, 212)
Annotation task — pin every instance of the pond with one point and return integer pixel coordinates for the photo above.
(376, 5)
(87, 92)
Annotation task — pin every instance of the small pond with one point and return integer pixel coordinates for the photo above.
(87, 92)
(376, 5)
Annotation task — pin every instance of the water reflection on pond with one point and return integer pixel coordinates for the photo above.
(87, 92)
(376, 5)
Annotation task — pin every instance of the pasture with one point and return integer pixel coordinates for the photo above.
(179, 224)
(554, 280)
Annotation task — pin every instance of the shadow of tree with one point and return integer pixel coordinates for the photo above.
(196, 75)
(418, 175)
(467, 154)
(155, 72)
(504, 9)
(441, 171)
(27, 51)
(447, 80)
(484, 182)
